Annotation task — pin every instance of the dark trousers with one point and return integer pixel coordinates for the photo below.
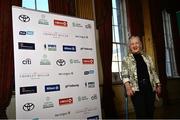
(143, 102)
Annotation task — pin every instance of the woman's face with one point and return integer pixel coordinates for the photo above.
(135, 45)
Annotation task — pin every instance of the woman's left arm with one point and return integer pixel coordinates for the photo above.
(155, 75)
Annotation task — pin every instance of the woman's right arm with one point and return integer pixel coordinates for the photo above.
(125, 78)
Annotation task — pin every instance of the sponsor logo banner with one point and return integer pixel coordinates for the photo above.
(48, 103)
(26, 46)
(82, 98)
(45, 61)
(65, 101)
(84, 48)
(86, 110)
(62, 114)
(27, 61)
(75, 24)
(60, 62)
(28, 107)
(52, 88)
(33, 75)
(94, 97)
(60, 23)
(50, 47)
(72, 85)
(55, 34)
(69, 48)
(74, 61)
(28, 90)
(88, 61)
(93, 117)
(24, 18)
(66, 73)
(90, 84)
(88, 72)
(43, 21)
(88, 26)
(26, 32)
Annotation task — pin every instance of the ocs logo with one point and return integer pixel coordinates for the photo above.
(27, 61)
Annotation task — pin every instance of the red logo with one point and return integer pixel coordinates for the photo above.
(65, 101)
(60, 23)
(88, 61)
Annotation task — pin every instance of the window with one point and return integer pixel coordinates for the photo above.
(120, 36)
(36, 4)
(171, 69)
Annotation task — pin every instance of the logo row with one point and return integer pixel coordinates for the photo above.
(53, 88)
(35, 75)
(56, 22)
(62, 101)
(50, 47)
(52, 34)
(30, 106)
(59, 62)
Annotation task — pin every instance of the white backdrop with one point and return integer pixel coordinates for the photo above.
(55, 61)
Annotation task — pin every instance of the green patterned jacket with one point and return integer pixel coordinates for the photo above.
(129, 71)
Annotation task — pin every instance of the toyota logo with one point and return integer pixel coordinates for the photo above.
(28, 107)
(24, 18)
(60, 62)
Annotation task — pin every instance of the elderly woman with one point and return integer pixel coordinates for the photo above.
(140, 79)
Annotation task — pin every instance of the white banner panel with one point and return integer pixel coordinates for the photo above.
(56, 75)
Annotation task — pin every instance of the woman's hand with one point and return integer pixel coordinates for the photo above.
(158, 90)
(129, 90)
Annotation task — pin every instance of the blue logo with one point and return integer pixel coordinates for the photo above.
(88, 72)
(26, 32)
(51, 88)
(69, 48)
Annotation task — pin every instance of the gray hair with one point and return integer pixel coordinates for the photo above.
(138, 38)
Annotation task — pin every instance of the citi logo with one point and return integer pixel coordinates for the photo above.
(69, 48)
(26, 32)
(88, 61)
(65, 101)
(27, 61)
(60, 23)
